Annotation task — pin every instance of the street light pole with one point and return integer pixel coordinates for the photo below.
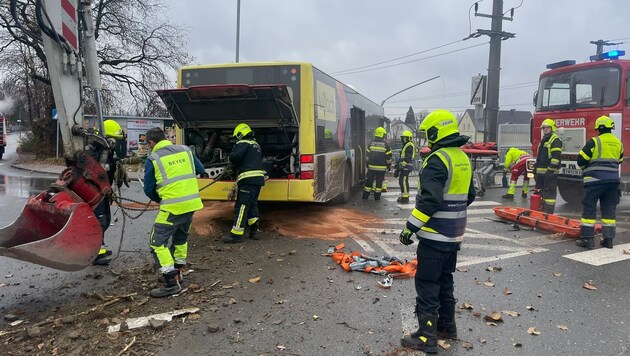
(238, 26)
(413, 86)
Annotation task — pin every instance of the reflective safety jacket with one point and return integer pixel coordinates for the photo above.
(600, 159)
(379, 155)
(407, 155)
(246, 158)
(446, 189)
(176, 181)
(513, 156)
(549, 152)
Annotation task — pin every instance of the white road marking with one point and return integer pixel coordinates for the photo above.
(601, 256)
(479, 260)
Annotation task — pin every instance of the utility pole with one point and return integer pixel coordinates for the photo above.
(601, 43)
(238, 27)
(496, 35)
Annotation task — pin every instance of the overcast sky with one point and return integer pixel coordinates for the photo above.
(338, 35)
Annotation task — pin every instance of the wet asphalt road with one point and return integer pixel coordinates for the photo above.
(540, 277)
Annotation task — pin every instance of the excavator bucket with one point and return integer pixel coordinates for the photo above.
(58, 228)
(53, 231)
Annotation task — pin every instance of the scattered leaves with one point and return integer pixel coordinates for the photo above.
(494, 316)
(511, 313)
(462, 269)
(529, 307)
(491, 323)
(281, 347)
(494, 269)
(466, 306)
(443, 344)
(532, 331)
(315, 317)
(254, 280)
(506, 291)
(589, 285)
(562, 327)
(517, 344)
(626, 252)
(488, 283)
(467, 345)
(557, 274)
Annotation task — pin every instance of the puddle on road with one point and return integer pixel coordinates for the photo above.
(23, 187)
(297, 220)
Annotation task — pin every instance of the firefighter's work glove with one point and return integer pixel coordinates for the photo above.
(401, 165)
(204, 175)
(120, 175)
(505, 170)
(396, 173)
(405, 237)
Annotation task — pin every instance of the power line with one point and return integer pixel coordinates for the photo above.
(395, 59)
(462, 93)
(415, 60)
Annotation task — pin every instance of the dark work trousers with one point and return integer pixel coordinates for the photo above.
(547, 183)
(372, 176)
(104, 215)
(608, 196)
(434, 278)
(246, 208)
(403, 181)
(171, 228)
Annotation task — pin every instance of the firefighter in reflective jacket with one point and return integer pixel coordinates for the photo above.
(600, 159)
(438, 220)
(246, 160)
(548, 164)
(405, 165)
(516, 162)
(379, 159)
(170, 179)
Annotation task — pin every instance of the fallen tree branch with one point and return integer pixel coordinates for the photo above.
(127, 347)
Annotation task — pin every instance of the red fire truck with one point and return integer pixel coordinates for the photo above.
(574, 96)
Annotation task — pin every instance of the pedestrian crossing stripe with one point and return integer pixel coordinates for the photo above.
(601, 256)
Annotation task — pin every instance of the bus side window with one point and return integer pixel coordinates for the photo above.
(320, 144)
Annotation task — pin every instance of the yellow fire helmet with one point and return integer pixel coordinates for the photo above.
(380, 132)
(604, 122)
(241, 130)
(112, 129)
(439, 124)
(549, 123)
(406, 134)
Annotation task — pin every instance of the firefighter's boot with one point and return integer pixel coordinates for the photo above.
(253, 231)
(548, 207)
(103, 258)
(511, 191)
(585, 242)
(181, 268)
(402, 200)
(446, 327)
(171, 285)
(608, 234)
(377, 196)
(231, 238)
(508, 196)
(366, 195)
(425, 339)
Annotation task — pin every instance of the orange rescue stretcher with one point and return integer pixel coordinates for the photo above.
(356, 261)
(542, 221)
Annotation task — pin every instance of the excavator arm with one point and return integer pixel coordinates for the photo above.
(58, 228)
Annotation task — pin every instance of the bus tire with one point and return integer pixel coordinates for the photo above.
(571, 191)
(347, 192)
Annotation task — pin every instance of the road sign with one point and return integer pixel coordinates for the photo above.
(54, 114)
(478, 90)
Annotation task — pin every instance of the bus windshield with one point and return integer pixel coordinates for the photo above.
(592, 87)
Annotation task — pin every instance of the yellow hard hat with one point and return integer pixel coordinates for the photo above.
(241, 130)
(439, 124)
(112, 129)
(328, 134)
(406, 134)
(604, 122)
(549, 123)
(380, 132)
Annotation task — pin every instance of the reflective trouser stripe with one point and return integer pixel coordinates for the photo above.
(512, 188)
(588, 222)
(609, 222)
(180, 253)
(237, 229)
(252, 221)
(525, 186)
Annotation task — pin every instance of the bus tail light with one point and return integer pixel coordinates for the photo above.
(307, 167)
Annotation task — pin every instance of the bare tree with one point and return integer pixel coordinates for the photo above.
(137, 48)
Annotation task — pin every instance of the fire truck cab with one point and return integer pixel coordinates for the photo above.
(574, 96)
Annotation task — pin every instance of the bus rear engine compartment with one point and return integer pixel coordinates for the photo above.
(279, 149)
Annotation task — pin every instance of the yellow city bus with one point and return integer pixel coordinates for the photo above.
(312, 129)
